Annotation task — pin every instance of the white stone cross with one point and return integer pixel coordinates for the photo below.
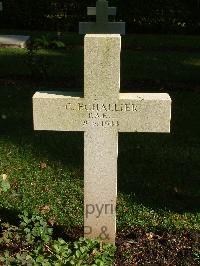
(102, 25)
(101, 113)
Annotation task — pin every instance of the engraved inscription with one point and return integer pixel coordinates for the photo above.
(101, 114)
(102, 107)
(101, 123)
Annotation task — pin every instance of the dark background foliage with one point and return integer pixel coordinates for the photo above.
(155, 16)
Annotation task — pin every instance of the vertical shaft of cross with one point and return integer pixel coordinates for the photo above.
(100, 185)
(102, 84)
(102, 12)
(102, 66)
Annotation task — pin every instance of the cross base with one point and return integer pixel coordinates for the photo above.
(110, 27)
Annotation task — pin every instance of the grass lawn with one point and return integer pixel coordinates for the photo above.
(158, 174)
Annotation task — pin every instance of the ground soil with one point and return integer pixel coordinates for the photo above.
(135, 246)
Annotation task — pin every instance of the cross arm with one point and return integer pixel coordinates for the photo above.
(91, 11)
(55, 111)
(108, 28)
(145, 112)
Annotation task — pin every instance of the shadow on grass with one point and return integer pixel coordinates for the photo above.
(9, 216)
(163, 170)
(160, 173)
(67, 64)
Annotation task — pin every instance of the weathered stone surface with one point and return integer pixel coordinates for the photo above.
(100, 183)
(102, 66)
(101, 113)
(18, 41)
(134, 112)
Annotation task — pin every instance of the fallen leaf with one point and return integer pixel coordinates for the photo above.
(43, 165)
(44, 209)
(4, 176)
(150, 236)
(51, 221)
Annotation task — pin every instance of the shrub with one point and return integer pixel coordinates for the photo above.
(32, 244)
(36, 62)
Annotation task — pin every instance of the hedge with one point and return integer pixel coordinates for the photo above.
(155, 16)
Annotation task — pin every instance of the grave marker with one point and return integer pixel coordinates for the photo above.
(1, 6)
(16, 41)
(102, 25)
(101, 113)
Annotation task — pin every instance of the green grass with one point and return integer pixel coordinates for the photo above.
(60, 64)
(157, 65)
(147, 41)
(150, 62)
(143, 65)
(158, 174)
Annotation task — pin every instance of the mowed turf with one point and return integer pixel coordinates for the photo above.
(158, 174)
(67, 64)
